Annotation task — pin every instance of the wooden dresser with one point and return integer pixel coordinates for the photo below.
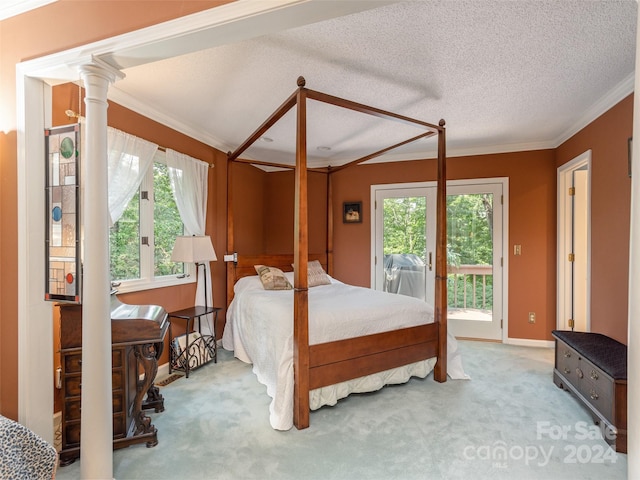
(594, 368)
(138, 333)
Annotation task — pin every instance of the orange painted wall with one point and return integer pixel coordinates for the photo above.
(49, 29)
(264, 210)
(532, 206)
(248, 199)
(607, 137)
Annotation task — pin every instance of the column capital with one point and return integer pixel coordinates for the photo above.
(101, 68)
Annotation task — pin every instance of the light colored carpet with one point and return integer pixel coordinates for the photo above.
(509, 421)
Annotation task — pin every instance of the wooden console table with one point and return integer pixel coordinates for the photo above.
(138, 333)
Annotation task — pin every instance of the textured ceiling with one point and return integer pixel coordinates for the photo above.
(505, 75)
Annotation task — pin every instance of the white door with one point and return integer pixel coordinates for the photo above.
(580, 249)
(474, 258)
(573, 244)
(403, 235)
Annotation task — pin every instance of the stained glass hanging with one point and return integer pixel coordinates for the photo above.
(62, 213)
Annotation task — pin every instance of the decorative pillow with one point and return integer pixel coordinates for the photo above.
(316, 274)
(272, 278)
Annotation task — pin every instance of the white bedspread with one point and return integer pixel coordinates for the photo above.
(259, 330)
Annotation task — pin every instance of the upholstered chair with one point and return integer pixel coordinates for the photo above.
(23, 454)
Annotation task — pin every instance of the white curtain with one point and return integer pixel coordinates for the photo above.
(129, 159)
(189, 183)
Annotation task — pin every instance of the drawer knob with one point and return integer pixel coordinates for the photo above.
(594, 375)
(567, 370)
(567, 353)
(594, 395)
(579, 373)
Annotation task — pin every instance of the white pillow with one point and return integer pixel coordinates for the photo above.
(272, 278)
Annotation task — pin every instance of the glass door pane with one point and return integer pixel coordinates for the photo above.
(404, 246)
(473, 257)
(404, 242)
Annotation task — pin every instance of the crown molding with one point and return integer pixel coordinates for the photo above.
(605, 103)
(11, 8)
(127, 101)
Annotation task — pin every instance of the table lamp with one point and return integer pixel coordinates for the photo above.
(196, 249)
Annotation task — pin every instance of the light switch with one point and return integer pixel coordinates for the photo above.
(517, 249)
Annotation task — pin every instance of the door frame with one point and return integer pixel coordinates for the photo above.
(505, 232)
(563, 294)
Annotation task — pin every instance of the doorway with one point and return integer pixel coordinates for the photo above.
(403, 236)
(574, 244)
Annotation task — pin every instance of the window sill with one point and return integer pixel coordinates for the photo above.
(162, 282)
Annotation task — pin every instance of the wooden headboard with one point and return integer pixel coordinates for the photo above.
(244, 267)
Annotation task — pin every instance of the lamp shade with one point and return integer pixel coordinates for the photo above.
(193, 249)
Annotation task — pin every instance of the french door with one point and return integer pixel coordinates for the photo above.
(403, 234)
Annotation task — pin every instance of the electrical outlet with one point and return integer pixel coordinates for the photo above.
(532, 317)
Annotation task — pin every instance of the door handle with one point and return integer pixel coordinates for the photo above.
(430, 262)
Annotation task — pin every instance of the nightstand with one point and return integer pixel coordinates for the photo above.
(192, 350)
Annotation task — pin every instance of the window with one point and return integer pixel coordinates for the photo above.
(142, 240)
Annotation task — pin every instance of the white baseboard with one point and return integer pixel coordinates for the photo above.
(526, 342)
(163, 371)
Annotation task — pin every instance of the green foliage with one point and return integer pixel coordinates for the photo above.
(167, 223)
(457, 285)
(124, 237)
(404, 225)
(124, 243)
(470, 242)
(469, 228)
(469, 239)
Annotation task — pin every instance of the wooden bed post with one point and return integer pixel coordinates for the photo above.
(329, 222)
(440, 371)
(231, 278)
(300, 280)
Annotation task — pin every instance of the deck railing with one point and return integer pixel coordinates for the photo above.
(478, 274)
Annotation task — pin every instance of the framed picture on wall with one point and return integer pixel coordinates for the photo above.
(352, 212)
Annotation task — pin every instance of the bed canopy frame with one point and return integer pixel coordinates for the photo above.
(329, 363)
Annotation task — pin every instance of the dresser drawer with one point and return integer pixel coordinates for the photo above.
(71, 431)
(73, 361)
(567, 360)
(71, 434)
(600, 399)
(598, 388)
(73, 383)
(72, 407)
(598, 378)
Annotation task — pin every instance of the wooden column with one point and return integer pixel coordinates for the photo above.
(329, 222)
(440, 372)
(300, 280)
(231, 266)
